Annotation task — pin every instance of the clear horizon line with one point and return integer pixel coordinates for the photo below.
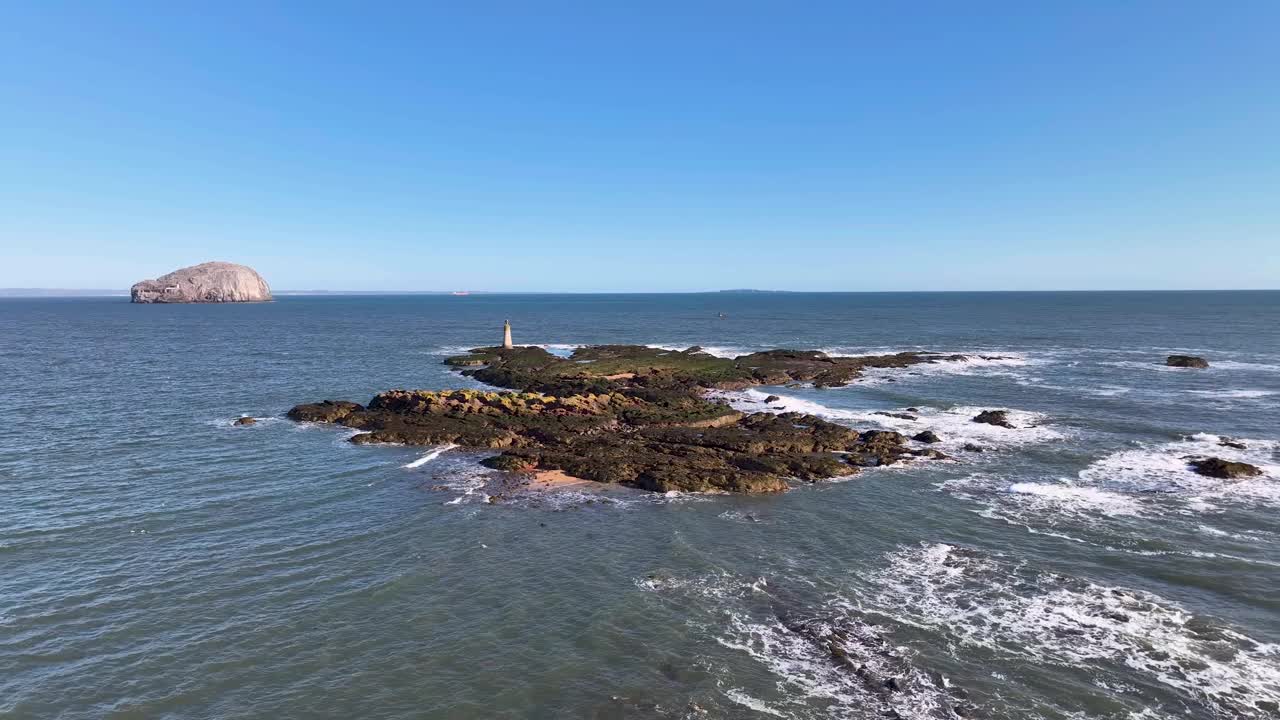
(106, 292)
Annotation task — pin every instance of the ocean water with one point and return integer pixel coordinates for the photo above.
(156, 562)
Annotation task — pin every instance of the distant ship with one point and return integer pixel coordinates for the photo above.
(460, 292)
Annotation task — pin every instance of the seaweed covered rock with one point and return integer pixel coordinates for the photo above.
(632, 415)
(994, 417)
(1186, 361)
(328, 411)
(1225, 469)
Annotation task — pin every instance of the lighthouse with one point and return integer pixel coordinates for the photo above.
(506, 335)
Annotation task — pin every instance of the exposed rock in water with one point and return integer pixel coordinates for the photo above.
(1228, 442)
(876, 665)
(1186, 361)
(772, 398)
(329, 411)
(971, 447)
(928, 436)
(244, 421)
(211, 282)
(633, 415)
(1226, 469)
(994, 417)
(900, 416)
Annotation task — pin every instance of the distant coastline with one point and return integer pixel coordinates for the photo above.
(60, 292)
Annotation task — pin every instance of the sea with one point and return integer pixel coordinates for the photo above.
(158, 562)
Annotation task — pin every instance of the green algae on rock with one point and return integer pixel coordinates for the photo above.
(634, 415)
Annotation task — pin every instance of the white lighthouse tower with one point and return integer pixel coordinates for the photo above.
(506, 335)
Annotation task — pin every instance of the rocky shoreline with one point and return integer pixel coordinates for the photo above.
(636, 416)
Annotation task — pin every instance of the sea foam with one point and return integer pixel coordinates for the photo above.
(986, 601)
(432, 455)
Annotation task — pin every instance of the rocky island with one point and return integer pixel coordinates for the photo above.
(211, 282)
(636, 416)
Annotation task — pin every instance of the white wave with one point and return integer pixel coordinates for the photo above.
(987, 364)
(1235, 394)
(810, 679)
(1022, 502)
(739, 516)
(1158, 363)
(471, 483)
(715, 586)
(563, 350)
(260, 421)
(1088, 499)
(752, 400)
(1251, 536)
(741, 697)
(432, 455)
(1143, 481)
(954, 425)
(727, 352)
(1163, 469)
(798, 652)
(1238, 365)
(983, 601)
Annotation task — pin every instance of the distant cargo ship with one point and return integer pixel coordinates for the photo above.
(460, 292)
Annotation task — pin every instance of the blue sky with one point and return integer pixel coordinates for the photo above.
(644, 146)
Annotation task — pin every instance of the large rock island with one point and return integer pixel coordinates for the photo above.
(211, 282)
(635, 416)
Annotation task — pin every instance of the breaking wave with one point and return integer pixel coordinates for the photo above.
(954, 425)
(428, 457)
(984, 601)
(1163, 469)
(1235, 394)
(826, 662)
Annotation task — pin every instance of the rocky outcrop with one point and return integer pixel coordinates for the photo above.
(1225, 469)
(1186, 361)
(211, 282)
(928, 436)
(994, 417)
(329, 411)
(635, 416)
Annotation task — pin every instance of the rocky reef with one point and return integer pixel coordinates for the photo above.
(635, 416)
(211, 282)
(1186, 361)
(1224, 469)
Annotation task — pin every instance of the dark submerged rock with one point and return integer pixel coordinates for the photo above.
(994, 417)
(1186, 361)
(928, 436)
(244, 421)
(1225, 469)
(900, 416)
